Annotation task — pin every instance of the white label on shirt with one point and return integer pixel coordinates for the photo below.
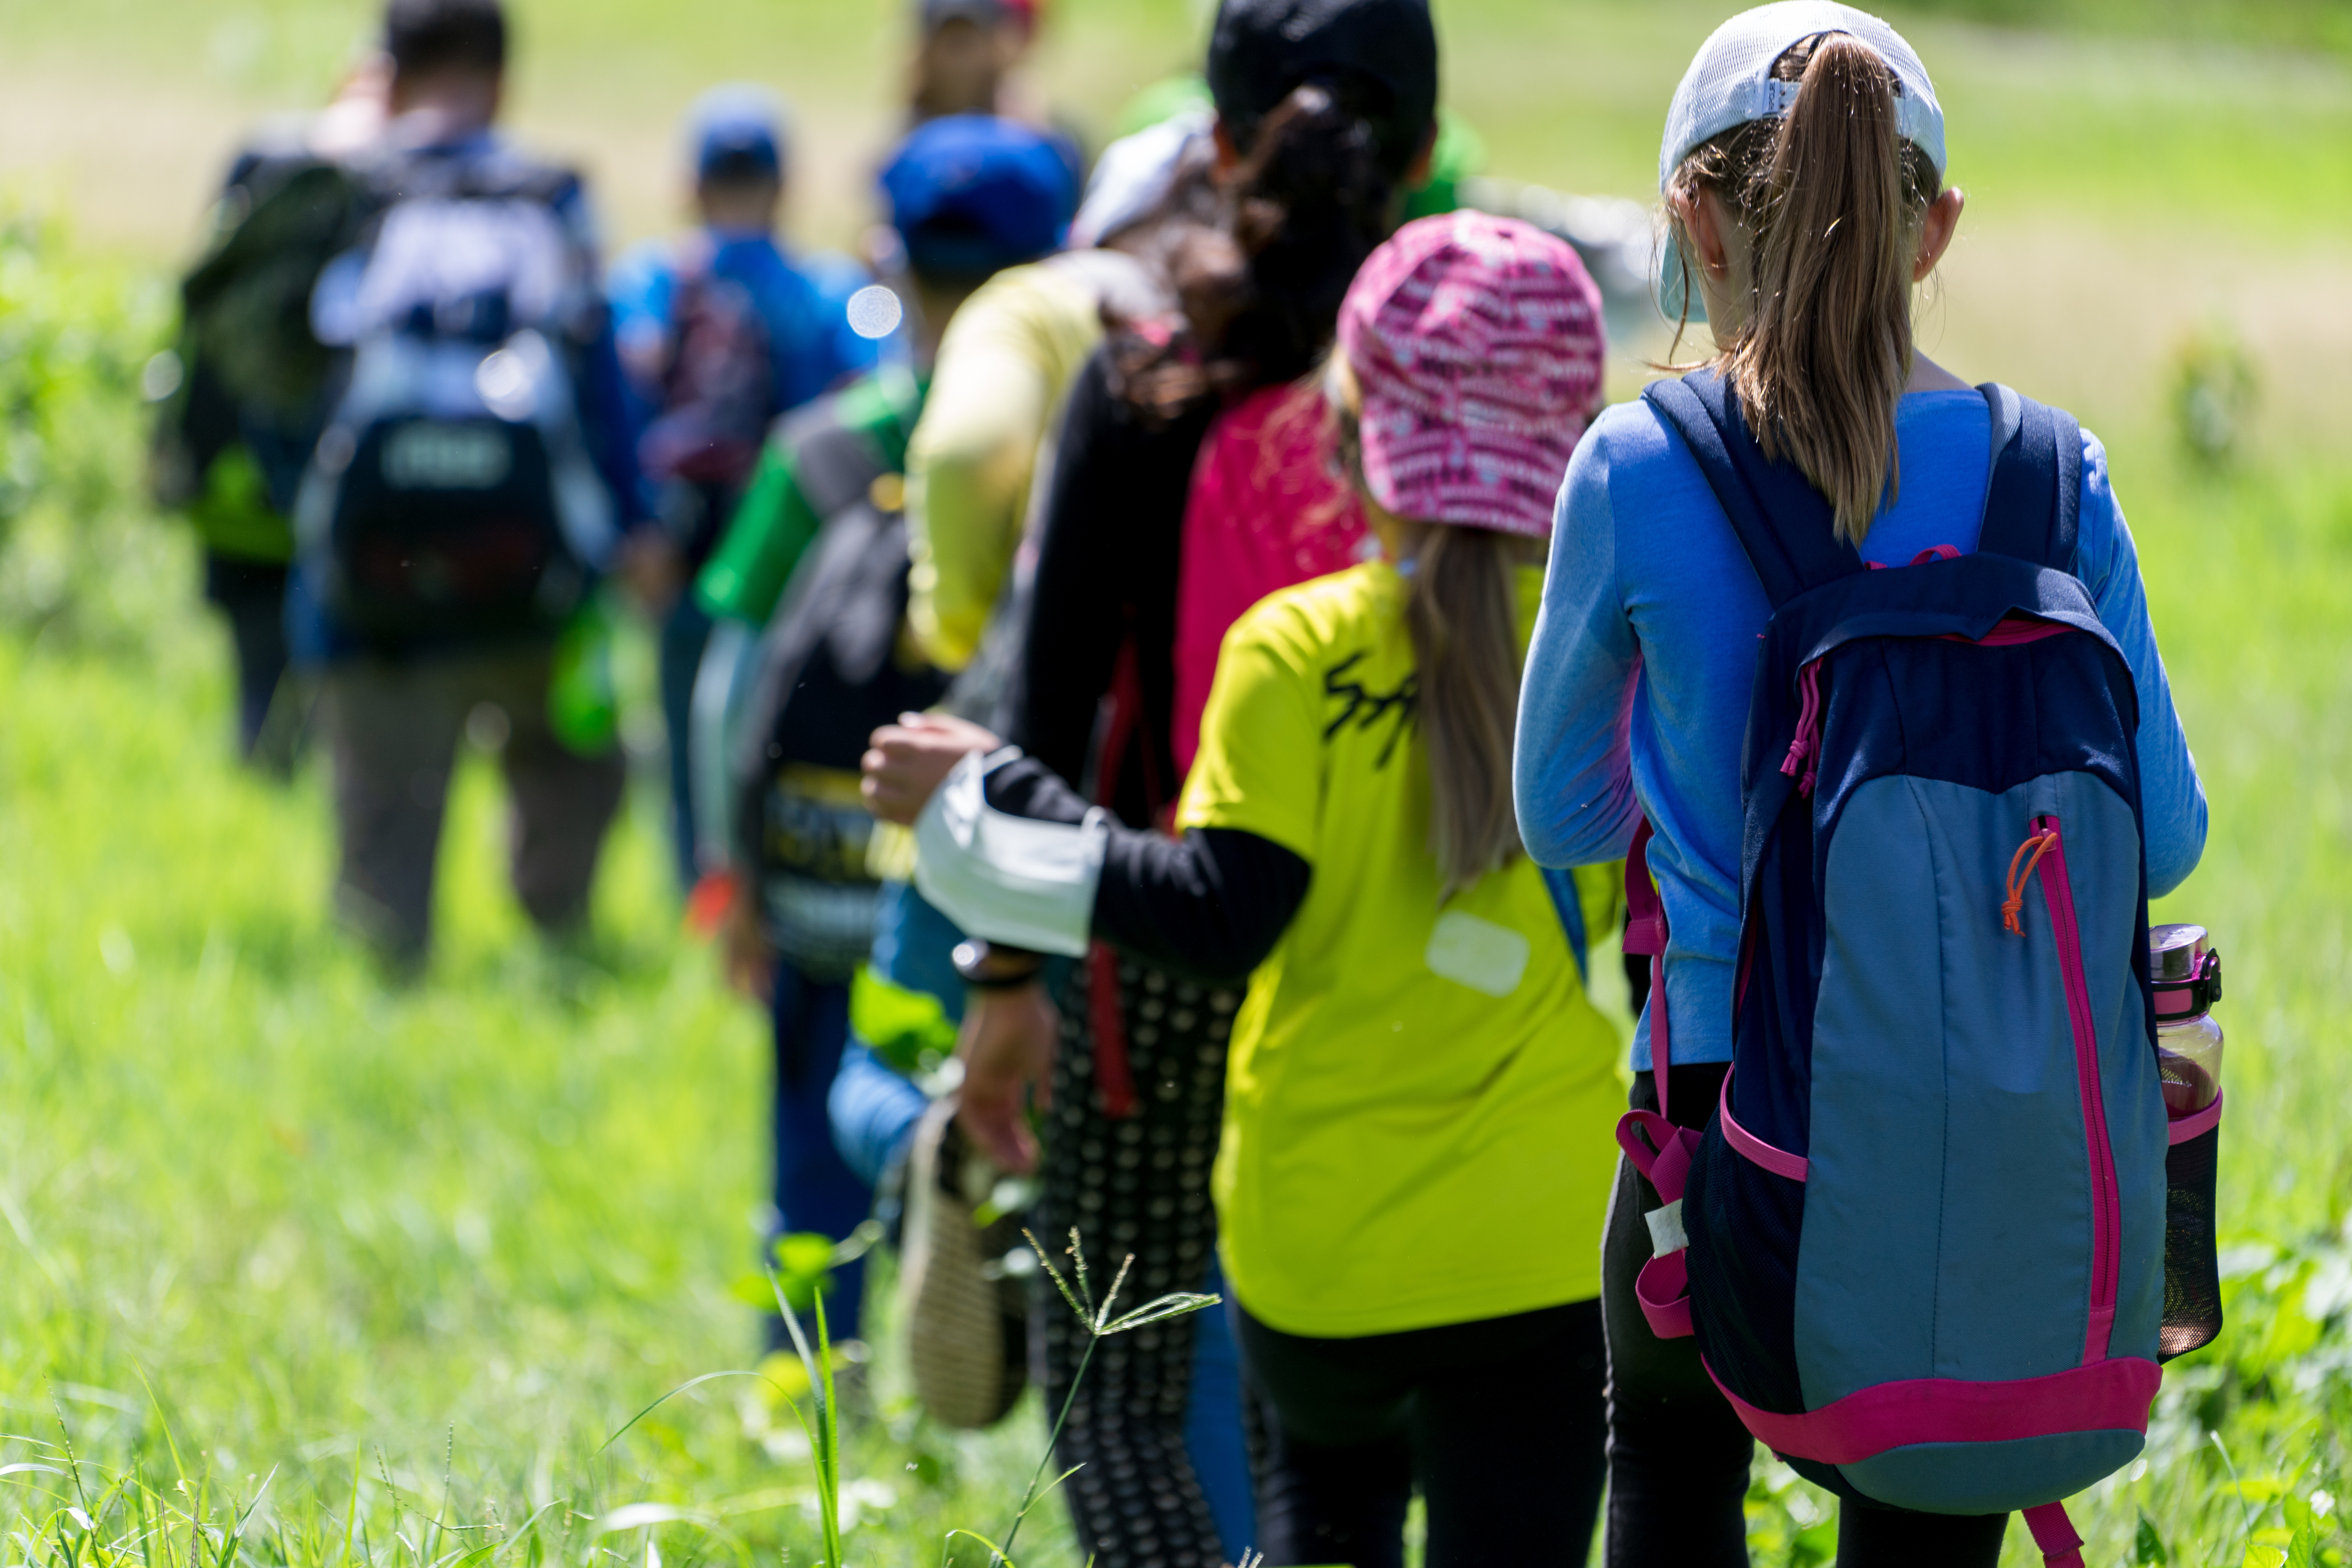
(1477, 953)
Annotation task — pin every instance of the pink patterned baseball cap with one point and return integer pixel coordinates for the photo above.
(1476, 341)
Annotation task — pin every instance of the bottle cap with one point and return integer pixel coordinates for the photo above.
(2173, 951)
(2185, 971)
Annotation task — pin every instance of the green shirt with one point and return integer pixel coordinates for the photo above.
(774, 522)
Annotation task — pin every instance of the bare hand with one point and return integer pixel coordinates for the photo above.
(744, 946)
(909, 760)
(1007, 1047)
(650, 564)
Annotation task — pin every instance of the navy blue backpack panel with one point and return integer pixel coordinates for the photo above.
(1925, 1227)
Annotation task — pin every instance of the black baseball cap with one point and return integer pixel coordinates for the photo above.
(1379, 57)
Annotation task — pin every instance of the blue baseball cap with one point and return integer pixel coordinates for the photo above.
(971, 193)
(737, 132)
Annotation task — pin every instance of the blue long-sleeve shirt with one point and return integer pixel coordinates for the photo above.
(1636, 697)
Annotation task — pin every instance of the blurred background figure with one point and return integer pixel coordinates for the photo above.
(812, 653)
(968, 54)
(238, 419)
(470, 483)
(720, 330)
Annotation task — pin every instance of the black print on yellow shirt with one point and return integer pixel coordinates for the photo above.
(1365, 709)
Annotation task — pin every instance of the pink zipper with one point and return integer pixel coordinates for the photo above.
(2106, 1206)
(1805, 748)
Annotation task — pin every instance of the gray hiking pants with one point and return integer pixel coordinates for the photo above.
(395, 729)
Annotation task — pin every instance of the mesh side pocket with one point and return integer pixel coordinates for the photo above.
(2192, 1274)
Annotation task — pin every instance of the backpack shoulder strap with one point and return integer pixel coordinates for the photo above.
(1783, 523)
(2033, 492)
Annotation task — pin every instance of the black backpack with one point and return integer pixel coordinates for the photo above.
(452, 494)
(832, 668)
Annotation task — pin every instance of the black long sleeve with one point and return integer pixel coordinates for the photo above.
(1110, 537)
(1212, 904)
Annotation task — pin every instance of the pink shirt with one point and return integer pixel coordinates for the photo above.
(1265, 511)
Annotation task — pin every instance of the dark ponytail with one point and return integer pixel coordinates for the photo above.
(1260, 277)
(1830, 198)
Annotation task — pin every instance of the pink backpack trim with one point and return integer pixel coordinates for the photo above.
(2106, 1395)
(1780, 1162)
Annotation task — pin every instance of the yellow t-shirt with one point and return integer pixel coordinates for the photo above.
(1420, 1099)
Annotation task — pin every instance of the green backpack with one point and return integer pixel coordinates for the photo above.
(245, 349)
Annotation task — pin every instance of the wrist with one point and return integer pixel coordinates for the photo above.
(993, 966)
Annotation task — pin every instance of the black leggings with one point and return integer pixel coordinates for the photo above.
(1135, 1184)
(1499, 1420)
(1678, 1457)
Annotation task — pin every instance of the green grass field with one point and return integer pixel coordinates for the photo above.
(307, 1269)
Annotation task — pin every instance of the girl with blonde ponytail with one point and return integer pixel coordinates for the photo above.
(1804, 176)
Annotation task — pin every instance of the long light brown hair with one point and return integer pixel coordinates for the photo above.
(1831, 197)
(1461, 610)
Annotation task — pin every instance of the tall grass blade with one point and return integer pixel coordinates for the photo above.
(825, 1441)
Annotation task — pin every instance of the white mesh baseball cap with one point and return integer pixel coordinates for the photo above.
(1730, 81)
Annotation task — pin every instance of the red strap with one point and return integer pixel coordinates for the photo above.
(1113, 1079)
(705, 907)
(1662, 1152)
(1645, 923)
(2054, 1533)
(1780, 1162)
(1645, 931)
(1124, 724)
(1663, 1288)
(1664, 1160)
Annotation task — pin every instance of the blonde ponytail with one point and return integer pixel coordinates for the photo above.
(1463, 613)
(1461, 610)
(1831, 197)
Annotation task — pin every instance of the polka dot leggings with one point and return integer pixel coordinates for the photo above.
(1137, 1185)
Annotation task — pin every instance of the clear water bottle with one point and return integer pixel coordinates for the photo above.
(2188, 976)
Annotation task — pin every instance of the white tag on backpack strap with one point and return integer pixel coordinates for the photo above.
(1667, 1229)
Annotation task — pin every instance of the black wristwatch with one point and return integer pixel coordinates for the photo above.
(992, 966)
